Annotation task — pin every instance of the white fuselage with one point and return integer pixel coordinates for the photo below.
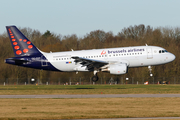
(133, 56)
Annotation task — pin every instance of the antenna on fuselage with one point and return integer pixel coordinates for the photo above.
(72, 50)
(146, 45)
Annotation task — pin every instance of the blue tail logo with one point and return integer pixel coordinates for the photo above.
(21, 45)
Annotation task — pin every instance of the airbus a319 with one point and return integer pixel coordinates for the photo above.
(113, 60)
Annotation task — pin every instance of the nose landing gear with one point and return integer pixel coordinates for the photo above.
(150, 69)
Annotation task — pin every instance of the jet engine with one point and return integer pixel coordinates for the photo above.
(118, 69)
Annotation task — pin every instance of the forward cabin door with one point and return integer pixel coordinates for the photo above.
(149, 53)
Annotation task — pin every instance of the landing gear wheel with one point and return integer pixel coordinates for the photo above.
(95, 78)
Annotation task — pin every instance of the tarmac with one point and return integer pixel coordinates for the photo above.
(94, 96)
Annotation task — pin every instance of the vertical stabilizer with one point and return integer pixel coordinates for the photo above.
(21, 45)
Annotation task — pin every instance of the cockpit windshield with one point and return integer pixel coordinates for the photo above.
(163, 51)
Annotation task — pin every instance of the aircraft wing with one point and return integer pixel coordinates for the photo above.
(90, 63)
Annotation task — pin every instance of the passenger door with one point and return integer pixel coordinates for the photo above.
(149, 53)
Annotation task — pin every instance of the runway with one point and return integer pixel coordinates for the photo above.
(93, 96)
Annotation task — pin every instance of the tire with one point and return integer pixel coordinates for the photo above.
(95, 78)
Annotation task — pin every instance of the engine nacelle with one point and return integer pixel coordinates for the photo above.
(118, 69)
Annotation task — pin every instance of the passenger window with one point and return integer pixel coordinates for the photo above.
(159, 51)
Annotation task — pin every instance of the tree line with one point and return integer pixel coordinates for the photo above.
(138, 35)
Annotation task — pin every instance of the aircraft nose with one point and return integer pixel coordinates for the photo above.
(172, 57)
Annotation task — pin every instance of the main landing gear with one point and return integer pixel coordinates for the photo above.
(95, 77)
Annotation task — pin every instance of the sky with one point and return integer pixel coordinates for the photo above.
(80, 17)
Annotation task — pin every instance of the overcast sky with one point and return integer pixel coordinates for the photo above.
(80, 17)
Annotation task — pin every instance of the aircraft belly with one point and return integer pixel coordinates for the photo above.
(134, 62)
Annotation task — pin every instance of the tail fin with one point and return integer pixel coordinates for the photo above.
(21, 45)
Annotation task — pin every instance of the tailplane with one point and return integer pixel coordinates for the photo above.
(21, 45)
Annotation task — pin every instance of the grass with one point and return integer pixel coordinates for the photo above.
(88, 108)
(88, 89)
(12, 109)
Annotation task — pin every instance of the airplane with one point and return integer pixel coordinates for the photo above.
(113, 60)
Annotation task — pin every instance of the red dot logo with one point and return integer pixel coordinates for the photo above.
(16, 47)
(14, 43)
(30, 46)
(18, 52)
(13, 40)
(28, 42)
(10, 32)
(25, 50)
(12, 36)
(20, 39)
(24, 40)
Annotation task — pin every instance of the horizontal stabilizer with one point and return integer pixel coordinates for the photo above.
(15, 61)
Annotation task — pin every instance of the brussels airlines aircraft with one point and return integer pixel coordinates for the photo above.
(113, 60)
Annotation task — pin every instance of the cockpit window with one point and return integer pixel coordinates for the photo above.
(163, 51)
